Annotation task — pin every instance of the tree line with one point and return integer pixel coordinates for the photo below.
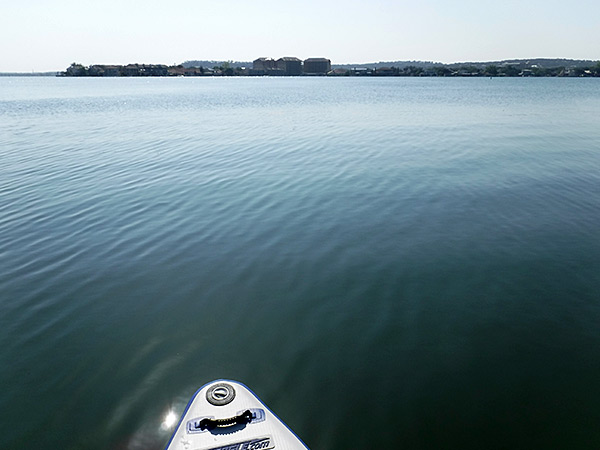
(491, 70)
(227, 69)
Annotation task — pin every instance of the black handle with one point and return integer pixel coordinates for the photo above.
(211, 424)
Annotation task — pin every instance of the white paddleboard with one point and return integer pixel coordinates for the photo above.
(226, 415)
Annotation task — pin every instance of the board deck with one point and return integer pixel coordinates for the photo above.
(226, 415)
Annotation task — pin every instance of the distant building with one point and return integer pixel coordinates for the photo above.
(339, 72)
(384, 71)
(145, 70)
(361, 71)
(290, 65)
(180, 71)
(99, 70)
(266, 66)
(287, 65)
(317, 66)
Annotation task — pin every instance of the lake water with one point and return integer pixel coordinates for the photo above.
(388, 263)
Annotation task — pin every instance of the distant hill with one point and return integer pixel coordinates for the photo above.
(546, 63)
(399, 64)
(518, 63)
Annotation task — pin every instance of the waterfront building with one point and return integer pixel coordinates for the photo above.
(290, 65)
(317, 66)
(266, 66)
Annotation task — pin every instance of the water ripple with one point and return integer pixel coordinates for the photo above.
(415, 247)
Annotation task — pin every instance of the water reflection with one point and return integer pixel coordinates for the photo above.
(170, 420)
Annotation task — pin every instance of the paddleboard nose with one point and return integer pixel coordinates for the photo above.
(226, 415)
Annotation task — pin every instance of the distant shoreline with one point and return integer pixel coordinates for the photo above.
(507, 70)
(537, 67)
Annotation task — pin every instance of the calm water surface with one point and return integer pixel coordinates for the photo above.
(400, 263)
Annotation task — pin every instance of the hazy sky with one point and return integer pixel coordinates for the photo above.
(45, 35)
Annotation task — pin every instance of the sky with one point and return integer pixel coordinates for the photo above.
(49, 35)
